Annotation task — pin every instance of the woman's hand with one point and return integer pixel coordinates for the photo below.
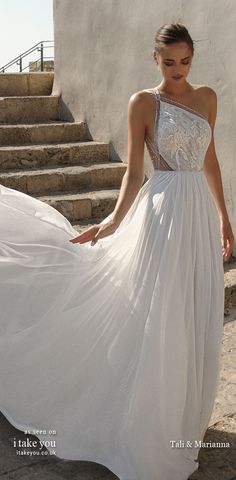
(227, 239)
(95, 232)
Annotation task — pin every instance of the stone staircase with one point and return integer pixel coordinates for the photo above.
(51, 159)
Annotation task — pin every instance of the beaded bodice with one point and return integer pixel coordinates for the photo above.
(181, 135)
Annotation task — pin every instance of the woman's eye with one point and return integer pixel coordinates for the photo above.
(170, 64)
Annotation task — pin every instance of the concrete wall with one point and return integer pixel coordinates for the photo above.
(103, 54)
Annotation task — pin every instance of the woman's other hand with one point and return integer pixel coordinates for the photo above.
(227, 239)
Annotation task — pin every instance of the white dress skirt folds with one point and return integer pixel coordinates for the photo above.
(116, 346)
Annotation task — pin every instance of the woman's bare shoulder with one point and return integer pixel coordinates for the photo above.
(144, 97)
(208, 97)
(205, 91)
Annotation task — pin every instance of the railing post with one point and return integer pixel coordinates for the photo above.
(41, 55)
(20, 64)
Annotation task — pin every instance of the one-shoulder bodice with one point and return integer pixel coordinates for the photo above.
(181, 136)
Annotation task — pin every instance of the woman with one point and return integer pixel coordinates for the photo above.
(114, 345)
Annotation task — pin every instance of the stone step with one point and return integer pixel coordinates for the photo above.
(77, 206)
(22, 83)
(230, 283)
(50, 132)
(29, 109)
(71, 178)
(38, 156)
(86, 223)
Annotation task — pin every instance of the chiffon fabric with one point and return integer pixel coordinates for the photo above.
(116, 346)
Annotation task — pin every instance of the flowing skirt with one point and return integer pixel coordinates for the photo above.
(116, 346)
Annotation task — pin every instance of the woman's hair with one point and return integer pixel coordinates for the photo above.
(171, 33)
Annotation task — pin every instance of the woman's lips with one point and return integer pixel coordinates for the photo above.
(177, 77)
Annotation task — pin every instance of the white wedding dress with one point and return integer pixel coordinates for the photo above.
(116, 346)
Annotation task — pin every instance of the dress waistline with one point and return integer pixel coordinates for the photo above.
(158, 171)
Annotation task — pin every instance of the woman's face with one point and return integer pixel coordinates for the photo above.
(175, 62)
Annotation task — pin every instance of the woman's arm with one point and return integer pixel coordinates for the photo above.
(133, 177)
(212, 171)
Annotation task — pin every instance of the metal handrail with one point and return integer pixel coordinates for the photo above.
(18, 60)
(35, 61)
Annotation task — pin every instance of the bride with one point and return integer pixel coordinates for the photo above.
(109, 350)
(140, 119)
